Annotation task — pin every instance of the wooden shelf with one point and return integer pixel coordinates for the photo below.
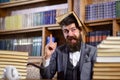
(31, 29)
(35, 59)
(101, 22)
(54, 27)
(19, 3)
(4, 32)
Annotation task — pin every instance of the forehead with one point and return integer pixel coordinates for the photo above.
(69, 26)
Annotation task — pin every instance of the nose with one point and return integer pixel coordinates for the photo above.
(70, 33)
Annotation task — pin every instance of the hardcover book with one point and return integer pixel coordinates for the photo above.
(62, 17)
(111, 42)
(109, 50)
(112, 64)
(108, 54)
(113, 38)
(115, 59)
(106, 77)
(108, 46)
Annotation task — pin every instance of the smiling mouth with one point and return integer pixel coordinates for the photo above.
(72, 40)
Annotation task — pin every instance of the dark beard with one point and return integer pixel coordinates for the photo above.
(74, 47)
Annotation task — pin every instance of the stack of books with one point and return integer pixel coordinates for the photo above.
(107, 66)
(14, 58)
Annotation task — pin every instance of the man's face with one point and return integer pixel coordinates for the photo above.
(72, 35)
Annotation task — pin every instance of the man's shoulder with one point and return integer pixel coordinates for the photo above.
(89, 46)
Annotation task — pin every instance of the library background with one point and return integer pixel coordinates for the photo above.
(25, 26)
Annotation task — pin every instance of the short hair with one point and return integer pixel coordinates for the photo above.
(69, 20)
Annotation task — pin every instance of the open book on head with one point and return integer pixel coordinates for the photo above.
(72, 13)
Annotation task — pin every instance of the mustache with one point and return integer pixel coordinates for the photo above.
(71, 37)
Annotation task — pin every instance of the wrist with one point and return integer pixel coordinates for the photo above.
(46, 57)
(45, 62)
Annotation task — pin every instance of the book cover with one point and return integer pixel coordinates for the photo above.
(62, 17)
(108, 54)
(113, 38)
(6, 52)
(13, 63)
(111, 42)
(108, 50)
(108, 46)
(109, 69)
(108, 59)
(97, 77)
(102, 64)
(107, 73)
(39, 46)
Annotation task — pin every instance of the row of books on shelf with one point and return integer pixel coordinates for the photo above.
(29, 20)
(3, 1)
(94, 1)
(101, 1)
(32, 17)
(31, 45)
(41, 9)
(107, 66)
(94, 38)
(103, 10)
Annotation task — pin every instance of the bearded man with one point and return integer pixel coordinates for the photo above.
(73, 60)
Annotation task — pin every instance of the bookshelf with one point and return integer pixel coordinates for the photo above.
(44, 30)
(7, 8)
(108, 21)
(33, 29)
(114, 21)
(19, 3)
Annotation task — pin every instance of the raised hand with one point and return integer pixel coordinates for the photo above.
(50, 48)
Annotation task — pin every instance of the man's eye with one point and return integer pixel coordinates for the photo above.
(65, 31)
(73, 29)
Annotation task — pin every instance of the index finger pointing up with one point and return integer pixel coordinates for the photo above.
(51, 38)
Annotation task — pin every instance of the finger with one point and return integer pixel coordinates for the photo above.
(51, 38)
(51, 46)
(54, 45)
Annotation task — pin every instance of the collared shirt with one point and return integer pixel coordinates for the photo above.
(74, 59)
